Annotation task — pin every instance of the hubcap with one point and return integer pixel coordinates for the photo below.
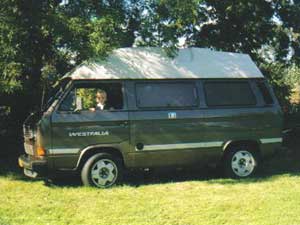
(243, 163)
(104, 173)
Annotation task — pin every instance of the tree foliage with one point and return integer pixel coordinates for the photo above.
(41, 40)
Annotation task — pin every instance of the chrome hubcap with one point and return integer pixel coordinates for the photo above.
(104, 173)
(243, 163)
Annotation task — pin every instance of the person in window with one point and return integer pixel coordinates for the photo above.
(101, 98)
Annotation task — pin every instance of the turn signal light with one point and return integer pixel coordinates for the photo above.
(41, 151)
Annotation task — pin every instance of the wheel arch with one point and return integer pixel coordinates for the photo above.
(253, 144)
(92, 150)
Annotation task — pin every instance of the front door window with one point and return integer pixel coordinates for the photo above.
(96, 97)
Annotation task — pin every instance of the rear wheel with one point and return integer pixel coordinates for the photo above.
(241, 162)
(102, 170)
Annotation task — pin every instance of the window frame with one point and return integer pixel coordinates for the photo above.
(230, 106)
(76, 83)
(69, 91)
(269, 92)
(193, 82)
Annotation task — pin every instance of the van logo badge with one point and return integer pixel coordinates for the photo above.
(88, 133)
(172, 115)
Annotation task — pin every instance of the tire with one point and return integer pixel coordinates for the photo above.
(102, 170)
(241, 162)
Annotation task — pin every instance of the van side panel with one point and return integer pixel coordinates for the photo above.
(210, 131)
(73, 132)
(240, 124)
(168, 142)
(198, 136)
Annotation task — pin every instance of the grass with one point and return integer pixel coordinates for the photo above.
(169, 197)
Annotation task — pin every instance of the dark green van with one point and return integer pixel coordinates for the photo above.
(141, 109)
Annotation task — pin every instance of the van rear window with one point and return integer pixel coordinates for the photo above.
(166, 95)
(265, 92)
(219, 93)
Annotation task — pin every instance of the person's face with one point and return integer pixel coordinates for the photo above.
(100, 98)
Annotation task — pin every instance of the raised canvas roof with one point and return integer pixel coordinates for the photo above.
(153, 63)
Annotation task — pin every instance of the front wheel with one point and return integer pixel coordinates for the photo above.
(241, 162)
(101, 170)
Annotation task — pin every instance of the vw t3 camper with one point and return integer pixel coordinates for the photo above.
(141, 109)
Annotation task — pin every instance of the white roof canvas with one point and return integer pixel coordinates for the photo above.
(153, 63)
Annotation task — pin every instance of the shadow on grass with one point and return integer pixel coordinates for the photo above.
(287, 162)
(9, 168)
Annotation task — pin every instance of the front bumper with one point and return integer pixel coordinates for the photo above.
(33, 167)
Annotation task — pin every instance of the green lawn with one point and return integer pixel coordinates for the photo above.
(173, 197)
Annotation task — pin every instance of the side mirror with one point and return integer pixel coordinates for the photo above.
(78, 104)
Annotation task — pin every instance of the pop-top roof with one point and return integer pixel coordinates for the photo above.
(153, 63)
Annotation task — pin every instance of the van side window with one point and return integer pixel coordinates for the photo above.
(94, 97)
(219, 93)
(166, 95)
(265, 92)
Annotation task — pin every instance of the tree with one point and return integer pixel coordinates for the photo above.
(288, 13)
(42, 40)
(164, 22)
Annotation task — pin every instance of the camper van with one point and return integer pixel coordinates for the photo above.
(140, 108)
